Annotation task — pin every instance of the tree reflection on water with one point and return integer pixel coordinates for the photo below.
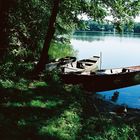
(115, 96)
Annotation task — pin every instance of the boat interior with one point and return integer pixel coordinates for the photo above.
(117, 70)
(81, 65)
(111, 71)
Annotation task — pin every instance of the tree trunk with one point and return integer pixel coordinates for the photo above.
(44, 57)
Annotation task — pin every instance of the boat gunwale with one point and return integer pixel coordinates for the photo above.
(102, 71)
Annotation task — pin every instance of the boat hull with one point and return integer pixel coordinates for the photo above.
(95, 82)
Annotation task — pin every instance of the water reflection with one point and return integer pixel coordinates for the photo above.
(92, 36)
(115, 96)
(89, 38)
(129, 96)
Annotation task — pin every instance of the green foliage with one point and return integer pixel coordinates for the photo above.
(6, 83)
(59, 50)
(109, 27)
(137, 27)
(28, 27)
(104, 128)
(39, 84)
(47, 104)
(125, 132)
(15, 69)
(22, 84)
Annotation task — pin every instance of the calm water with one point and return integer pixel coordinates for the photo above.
(117, 51)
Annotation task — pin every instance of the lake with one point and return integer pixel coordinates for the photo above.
(118, 50)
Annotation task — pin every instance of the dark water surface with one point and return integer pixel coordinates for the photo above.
(117, 51)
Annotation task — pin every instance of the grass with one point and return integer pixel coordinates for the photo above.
(66, 126)
(45, 110)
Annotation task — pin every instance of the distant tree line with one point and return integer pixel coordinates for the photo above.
(107, 27)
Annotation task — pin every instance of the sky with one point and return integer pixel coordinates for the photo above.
(137, 19)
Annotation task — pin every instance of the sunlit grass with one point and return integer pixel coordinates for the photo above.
(66, 126)
(96, 128)
(47, 104)
(125, 132)
(39, 84)
(121, 133)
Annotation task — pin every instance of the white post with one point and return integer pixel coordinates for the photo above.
(100, 60)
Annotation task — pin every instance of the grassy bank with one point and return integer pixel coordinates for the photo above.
(47, 109)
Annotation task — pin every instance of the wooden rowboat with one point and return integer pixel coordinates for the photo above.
(59, 62)
(80, 66)
(105, 79)
(69, 64)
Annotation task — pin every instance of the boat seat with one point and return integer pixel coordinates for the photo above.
(88, 64)
(88, 61)
(124, 70)
(79, 65)
(92, 73)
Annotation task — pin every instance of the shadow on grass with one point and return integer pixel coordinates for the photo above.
(53, 113)
(23, 113)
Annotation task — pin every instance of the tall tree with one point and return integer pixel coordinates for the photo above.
(51, 29)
